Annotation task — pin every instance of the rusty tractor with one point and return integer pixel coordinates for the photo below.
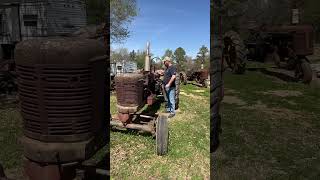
(287, 46)
(199, 78)
(234, 52)
(136, 90)
(62, 100)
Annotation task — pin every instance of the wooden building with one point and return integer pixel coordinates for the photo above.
(27, 19)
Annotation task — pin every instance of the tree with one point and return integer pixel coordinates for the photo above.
(122, 13)
(190, 64)
(120, 55)
(240, 12)
(168, 53)
(202, 55)
(311, 15)
(96, 11)
(132, 56)
(140, 57)
(180, 58)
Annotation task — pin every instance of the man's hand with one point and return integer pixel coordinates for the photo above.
(167, 86)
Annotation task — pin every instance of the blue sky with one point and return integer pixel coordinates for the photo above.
(170, 24)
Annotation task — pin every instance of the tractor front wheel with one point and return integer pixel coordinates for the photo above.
(306, 71)
(162, 135)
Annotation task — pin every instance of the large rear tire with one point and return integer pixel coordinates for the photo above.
(183, 78)
(236, 54)
(162, 135)
(216, 93)
(306, 71)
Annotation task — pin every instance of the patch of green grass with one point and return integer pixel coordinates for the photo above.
(133, 155)
(10, 131)
(251, 86)
(11, 153)
(262, 143)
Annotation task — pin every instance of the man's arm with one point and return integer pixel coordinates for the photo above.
(173, 77)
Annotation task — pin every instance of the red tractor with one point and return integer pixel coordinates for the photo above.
(134, 91)
(288, 46)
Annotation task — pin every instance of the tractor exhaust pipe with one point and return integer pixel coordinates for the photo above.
(147, 61)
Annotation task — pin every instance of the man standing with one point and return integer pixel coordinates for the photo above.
(170, 85)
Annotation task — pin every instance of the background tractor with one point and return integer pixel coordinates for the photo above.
(199, 77)
(287, 46)
(234, 52)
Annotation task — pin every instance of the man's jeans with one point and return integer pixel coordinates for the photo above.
(171, 93)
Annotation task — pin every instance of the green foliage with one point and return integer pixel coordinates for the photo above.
(203, 56)
(276, 135)
(190, 64)
(122, 13)
(119, 55)
(96, 11)
(238, 13)
(140, 57)
(168, 53)
(180, 58)
(311, 14)
(132, 55)
(189, 140)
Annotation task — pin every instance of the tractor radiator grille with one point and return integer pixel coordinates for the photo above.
(129, 89)
(56, 101)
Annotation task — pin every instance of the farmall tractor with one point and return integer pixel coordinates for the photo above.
(201, 78)
(62, 100)
(234, 52)
(288, 46)
(137, 90)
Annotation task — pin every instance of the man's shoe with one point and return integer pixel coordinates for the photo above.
(171, 115)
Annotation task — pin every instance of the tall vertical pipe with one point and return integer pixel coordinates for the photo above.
(147, 63)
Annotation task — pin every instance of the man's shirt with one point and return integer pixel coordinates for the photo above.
(170, 71)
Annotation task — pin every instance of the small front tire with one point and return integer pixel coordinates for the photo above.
(162, 135)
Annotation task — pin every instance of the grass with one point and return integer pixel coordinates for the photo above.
(10, 131)
(11, 153)
(133, 155)
(279, 140)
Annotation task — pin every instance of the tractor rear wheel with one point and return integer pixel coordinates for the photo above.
(162, 135)
(183, 78)
(236, 55)
(306, 71)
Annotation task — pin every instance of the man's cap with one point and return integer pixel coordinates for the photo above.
(166, 59)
